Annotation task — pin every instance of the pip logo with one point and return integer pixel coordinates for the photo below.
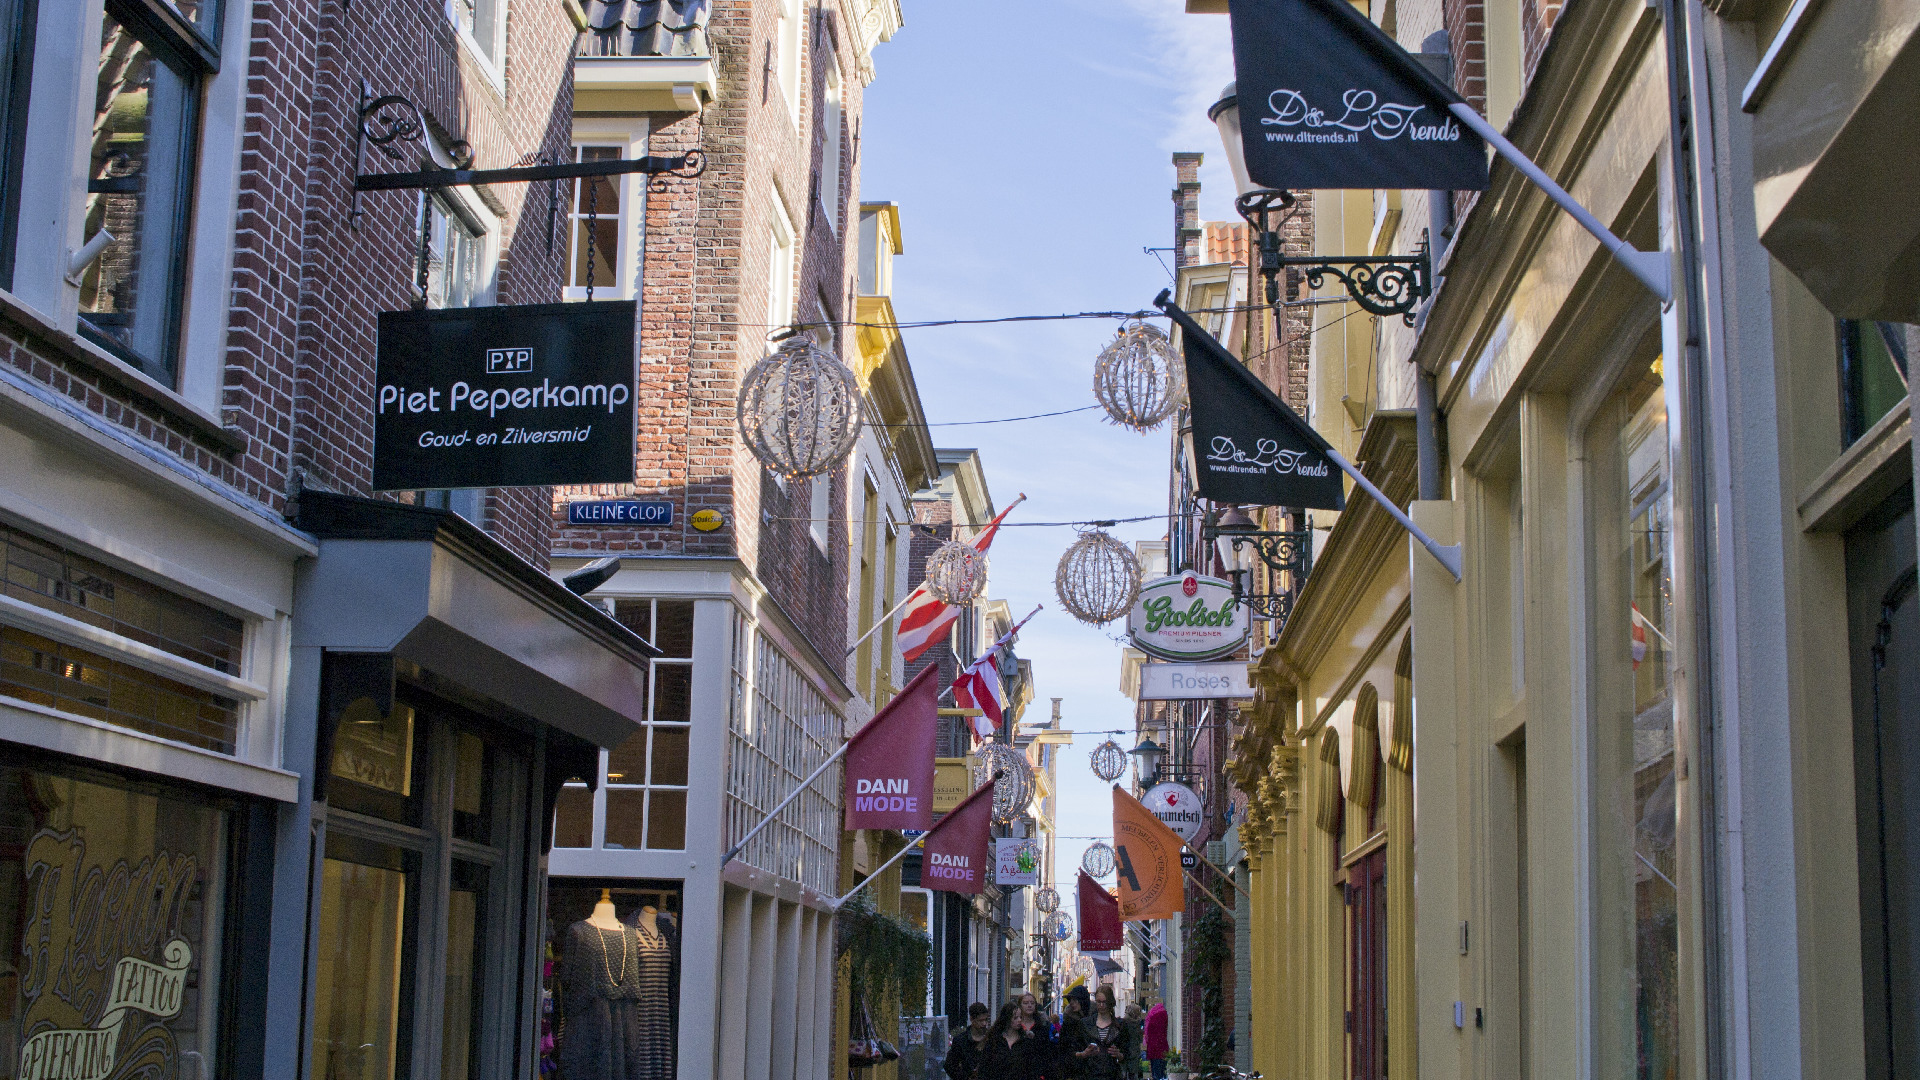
(508, 361)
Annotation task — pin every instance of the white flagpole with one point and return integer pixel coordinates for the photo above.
(792, 795)
(1651, 267)
(1448, 555)
(870, 878)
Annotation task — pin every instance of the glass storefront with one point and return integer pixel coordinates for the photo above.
(113, 897)
(1637, 812)
(610, 996)
(420, 896)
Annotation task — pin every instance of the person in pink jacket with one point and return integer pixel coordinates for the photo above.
(1154, 1040)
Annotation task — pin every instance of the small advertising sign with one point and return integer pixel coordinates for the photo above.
(952, 781)
(1187, 617)
(1016, 861)
(1177, 807)
(1187, 682)
(619, 512)
(504, 396)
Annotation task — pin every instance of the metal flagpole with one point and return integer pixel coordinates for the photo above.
(1651, 267)
(792, 795)
(870, 878)
(1195, 881)
(1217, 870)
(883, 620)
(1449, 555)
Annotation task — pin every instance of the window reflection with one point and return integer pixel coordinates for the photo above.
(359, 1021)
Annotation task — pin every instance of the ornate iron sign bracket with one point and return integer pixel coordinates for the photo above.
(388, 121)
(1382, 285)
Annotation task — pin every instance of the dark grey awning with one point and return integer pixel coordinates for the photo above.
(430, 588)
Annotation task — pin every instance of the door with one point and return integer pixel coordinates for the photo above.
(1367, 965)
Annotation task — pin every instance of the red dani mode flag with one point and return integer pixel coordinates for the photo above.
(890, 761)
(927, 620)
(959, 851)
(1100, 926)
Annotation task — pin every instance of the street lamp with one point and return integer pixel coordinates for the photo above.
(1381, 286)
(1146, 759)
(1240, 542)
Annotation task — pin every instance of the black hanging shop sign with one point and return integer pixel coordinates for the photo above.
(505, 396)
(1328, 100)
(1249, 447)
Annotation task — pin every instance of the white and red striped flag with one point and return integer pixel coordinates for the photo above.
(927, 620)
(979, 687)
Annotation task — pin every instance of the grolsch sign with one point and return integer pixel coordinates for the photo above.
(505, 396)
(1187, 617)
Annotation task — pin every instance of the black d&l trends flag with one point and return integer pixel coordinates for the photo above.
(1249, 447)
(1328, 100)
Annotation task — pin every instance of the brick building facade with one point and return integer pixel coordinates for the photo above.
(332, 723)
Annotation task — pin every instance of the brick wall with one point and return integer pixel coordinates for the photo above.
(704, 302)
(306, 285)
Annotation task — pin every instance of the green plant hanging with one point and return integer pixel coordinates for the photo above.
(888, 959)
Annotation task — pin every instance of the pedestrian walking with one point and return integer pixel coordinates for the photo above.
(969, 1042)
(1106, 1041)
(1009, 1054)
(1155, 1039)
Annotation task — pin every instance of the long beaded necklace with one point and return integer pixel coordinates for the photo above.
(605, 952)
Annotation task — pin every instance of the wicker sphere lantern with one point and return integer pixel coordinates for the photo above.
(1109, 760)
(1137, 378)
(1098, 860)
(799, 409)
(1098, 578)
(1047, 899)
(956, 572)
(1059, 926)
(1014, 790)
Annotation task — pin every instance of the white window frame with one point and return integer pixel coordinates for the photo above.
(495, 69)
(792, 37)
(469, 205)
(782, 250)
(631, 137)
(831, 117)
(52, 215)
(820, 510)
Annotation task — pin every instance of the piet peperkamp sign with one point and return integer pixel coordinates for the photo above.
(1187, 617)
(504, 396)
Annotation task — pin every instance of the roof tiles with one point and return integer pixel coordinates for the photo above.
(646, 28)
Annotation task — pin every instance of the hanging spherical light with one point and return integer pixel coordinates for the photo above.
(1097, 861)
(1047, 899)
(1014, 790)
(799, 409)
(1098, 578)
(1137, 378)
(956, 572)
(1059, 926)
(1109, 760)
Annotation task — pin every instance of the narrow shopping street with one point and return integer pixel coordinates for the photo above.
(911, 540)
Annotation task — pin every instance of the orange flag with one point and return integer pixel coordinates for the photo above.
(1147, 854)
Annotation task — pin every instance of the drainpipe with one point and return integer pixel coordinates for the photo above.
(1436, 54)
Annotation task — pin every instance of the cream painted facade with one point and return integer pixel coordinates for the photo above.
(1660, 819)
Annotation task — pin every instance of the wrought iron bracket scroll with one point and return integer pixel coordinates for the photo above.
(1382, 285)
(387, 122)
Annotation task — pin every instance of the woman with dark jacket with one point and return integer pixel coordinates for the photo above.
(1105, 1043)
(1009, 1054)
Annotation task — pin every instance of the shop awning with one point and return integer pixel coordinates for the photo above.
(428, 587)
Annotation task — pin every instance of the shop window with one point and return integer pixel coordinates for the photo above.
(611, 990)
(75, 635)
(405, 790)
(595, 234)
(645, 794)
(113, 900)
(1873, 373)
(779, 729)
(1637, 818)
(140, 178)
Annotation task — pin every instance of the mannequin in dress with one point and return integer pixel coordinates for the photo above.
(613, 1012)
(603, 916)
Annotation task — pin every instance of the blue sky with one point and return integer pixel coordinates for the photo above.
(1028, 147)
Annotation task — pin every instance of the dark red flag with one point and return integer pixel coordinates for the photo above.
(890, 761)
(959, 851)
(1100, 925)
